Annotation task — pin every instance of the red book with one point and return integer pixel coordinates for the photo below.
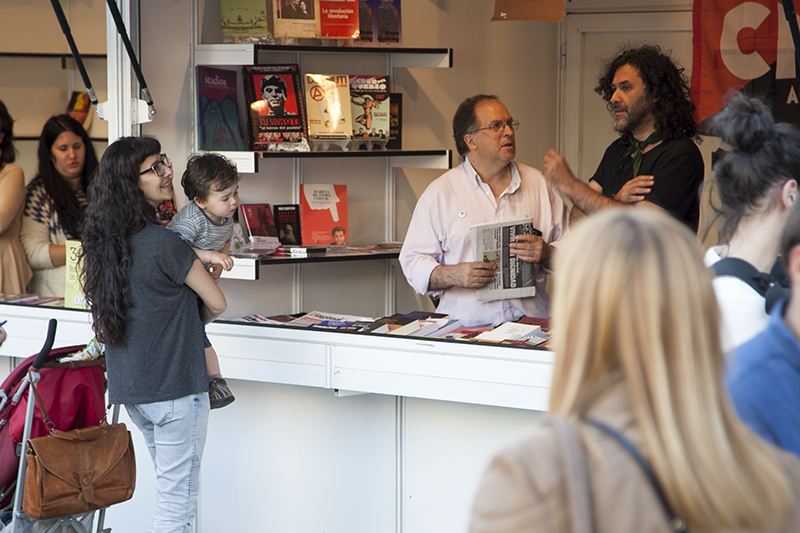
(257, 221)
(323, 210)
(339, 19)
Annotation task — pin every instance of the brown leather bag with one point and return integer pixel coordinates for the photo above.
(77, 471)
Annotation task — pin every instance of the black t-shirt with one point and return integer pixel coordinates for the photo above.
(677, 167)
(162, 356)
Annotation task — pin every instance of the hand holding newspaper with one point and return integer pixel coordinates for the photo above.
(513, 278)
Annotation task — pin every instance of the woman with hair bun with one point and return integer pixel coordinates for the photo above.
(757, 180)
(14, 270)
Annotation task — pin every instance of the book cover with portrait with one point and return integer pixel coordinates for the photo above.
(323, 210)
(276, 109)
(257, 223)
(296, 19)
(219, 127)
(287, 218)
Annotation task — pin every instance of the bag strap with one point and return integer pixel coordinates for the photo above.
(739, 268)
(47, 422)
(675, 522)
(576, 470)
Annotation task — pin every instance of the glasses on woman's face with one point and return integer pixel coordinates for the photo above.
(159, 167)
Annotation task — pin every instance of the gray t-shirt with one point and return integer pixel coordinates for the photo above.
(162, 356)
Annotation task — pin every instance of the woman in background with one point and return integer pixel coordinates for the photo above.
(55, 201)
(14, 270)
(636, 336)
(142, 282)
(757, 182)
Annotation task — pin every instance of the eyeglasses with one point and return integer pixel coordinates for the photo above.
(499, 126)
(159, 167)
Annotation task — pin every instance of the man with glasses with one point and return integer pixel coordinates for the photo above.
(655, 162)
(488, 186)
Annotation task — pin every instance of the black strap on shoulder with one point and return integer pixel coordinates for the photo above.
(739, 268)
(675, 523)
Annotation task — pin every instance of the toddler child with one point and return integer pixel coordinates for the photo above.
(211, 182)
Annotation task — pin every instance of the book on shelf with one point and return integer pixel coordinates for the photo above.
(543, 322)
(244, 21)
(80, 108)
(295, 19)
(276, 110)
(379, 23)
(219, 127)
(338, 19)
(428, 326)
(362, 326)
(395, 121)
(466, 332)
(287, 218)
(257, 223)
(323, 210)
(508, 331)
(328, 106)
(513, 278)
(369, 104)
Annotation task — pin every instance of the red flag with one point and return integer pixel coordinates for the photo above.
(743, 45)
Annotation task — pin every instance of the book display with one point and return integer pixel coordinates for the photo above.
(219, 124)
(328, 104)
(323, 210)
(244, 21)
(379, 23)
(370, 106)
(395, 121)
(287, 218)
(339, 19)
(296, 19)
(276, 109)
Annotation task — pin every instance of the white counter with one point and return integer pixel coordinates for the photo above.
(337, 432)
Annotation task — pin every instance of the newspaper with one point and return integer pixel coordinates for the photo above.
(513, 277)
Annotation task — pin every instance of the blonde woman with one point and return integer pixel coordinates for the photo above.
(638, 351)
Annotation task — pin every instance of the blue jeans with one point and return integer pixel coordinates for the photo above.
(175, 434)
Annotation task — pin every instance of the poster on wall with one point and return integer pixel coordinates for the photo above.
(550, 10)
(743, 46)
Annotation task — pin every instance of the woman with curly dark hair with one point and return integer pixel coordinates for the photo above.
(655, 162)
(142, 282)
(55, 201)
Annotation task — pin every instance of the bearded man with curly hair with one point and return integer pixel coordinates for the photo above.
(655, 162)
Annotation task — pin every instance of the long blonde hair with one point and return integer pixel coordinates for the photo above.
(633, 297)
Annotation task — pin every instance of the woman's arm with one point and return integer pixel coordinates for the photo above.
(12, 195)
(201, 282)
(35, 239)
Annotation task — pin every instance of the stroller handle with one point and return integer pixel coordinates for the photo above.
(41, 359)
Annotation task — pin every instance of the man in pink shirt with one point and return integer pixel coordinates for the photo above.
(488, 186)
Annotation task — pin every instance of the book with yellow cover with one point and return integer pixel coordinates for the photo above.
(73, 290)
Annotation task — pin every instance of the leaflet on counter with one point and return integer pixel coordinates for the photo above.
(513, 277)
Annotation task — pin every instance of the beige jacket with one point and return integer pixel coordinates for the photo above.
(510, 500)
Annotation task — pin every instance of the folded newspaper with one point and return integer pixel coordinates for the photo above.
(513, 278)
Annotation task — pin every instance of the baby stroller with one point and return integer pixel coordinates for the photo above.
(74, 397)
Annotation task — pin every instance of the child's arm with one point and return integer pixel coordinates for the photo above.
(208, 256)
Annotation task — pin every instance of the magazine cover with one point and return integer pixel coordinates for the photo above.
(370, 106)
(328, 100)
(243, 20)
(339, 19)
(287, 218)
(323, 210)
(379, 23)
(218, 122)
(275, 107)
(296, 18)
(395, 121)
(513, 278)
